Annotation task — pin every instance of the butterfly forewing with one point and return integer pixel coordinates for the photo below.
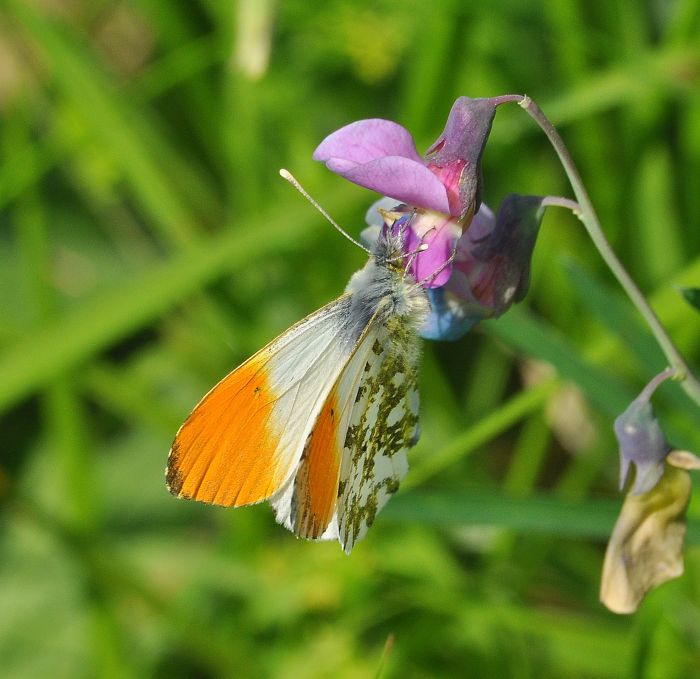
(245, 438)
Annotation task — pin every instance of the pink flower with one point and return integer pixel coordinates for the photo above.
(442, 190)
(381, 155)
(438, 199)
(642, 443)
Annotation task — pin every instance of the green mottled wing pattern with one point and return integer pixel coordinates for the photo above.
(383, 425)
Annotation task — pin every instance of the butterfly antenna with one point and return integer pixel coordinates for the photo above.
(285, 174)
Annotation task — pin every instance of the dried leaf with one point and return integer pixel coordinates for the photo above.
(646, 546)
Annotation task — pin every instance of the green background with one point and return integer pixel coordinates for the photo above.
(147, 246)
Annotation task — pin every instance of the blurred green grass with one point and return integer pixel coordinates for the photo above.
(147, 246)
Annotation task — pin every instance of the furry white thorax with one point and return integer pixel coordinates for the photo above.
(384, 284)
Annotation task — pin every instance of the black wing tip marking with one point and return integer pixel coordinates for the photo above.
(173, 475)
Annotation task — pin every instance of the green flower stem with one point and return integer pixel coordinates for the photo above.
(587, 215)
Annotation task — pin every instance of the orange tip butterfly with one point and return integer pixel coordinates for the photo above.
(318, 422)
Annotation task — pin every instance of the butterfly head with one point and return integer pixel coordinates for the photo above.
(391, 247)
(406, 244)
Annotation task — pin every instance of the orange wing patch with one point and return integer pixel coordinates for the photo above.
(316, 483)
(224, 453)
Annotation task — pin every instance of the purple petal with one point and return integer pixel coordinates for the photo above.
(511, 244)
(449, 319)
(370, 235)
(481, 226)
(641, 442)
(373, 217)
(454, 309)
(641, 439)
(441, 240)
(406, 180)
(466, 131)
(460, 147)
(366, 140)
(492, 264)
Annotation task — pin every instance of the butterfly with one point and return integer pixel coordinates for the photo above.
(317, 422)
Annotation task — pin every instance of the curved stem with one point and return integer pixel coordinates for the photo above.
(559, 201)
(588, 216)
(654, 383)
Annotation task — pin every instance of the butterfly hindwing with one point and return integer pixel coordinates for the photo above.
(355, 457)
(383, 425)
